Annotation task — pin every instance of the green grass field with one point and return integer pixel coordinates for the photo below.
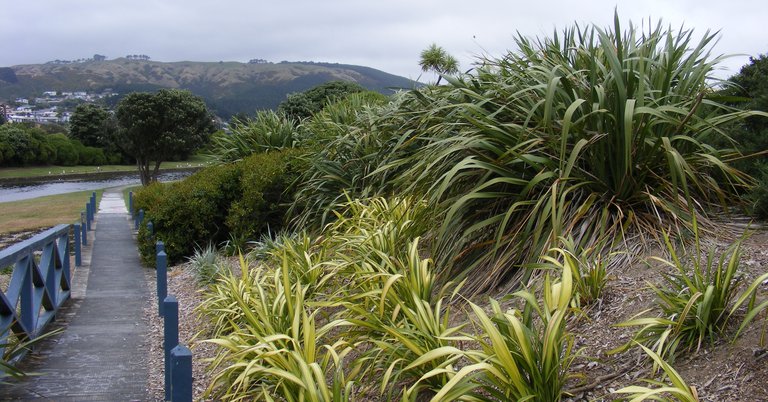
(58, 171)
(43, 212)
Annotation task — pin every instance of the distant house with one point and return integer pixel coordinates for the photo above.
(49, 93)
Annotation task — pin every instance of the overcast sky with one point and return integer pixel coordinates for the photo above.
(387, 35)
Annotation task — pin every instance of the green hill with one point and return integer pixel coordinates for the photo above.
(228, 87)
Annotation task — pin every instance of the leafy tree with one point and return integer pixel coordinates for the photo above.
(751, 135)
(22, 145)
(87, 125)
(751, 85)
(66, 151)
(304, 104)
(436, 59)
(153, 127)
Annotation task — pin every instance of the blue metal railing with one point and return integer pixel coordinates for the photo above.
(37, 287)
(41, 278)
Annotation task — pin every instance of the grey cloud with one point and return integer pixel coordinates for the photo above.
(387, 35)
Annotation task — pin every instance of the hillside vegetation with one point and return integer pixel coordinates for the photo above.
(485, 240)
(228, 87)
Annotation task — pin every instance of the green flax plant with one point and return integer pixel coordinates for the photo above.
(404, 319)
(589, 270)
(267, 131)
(349, 141)
(359, 286)
(14, 348)
(392, 301)
(591, 133)
(525, 353)
(697, 299)
(269, 342)
(677, 391)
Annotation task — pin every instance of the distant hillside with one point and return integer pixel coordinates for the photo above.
(228, 87)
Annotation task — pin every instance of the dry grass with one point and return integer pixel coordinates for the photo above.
(43, 212)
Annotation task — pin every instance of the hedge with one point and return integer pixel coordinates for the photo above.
(240, 200)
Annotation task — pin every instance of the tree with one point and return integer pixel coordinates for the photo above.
(436, 59)
(87, 125)
(751, 83)
(751, 135)
(304, 104)
(153, 127)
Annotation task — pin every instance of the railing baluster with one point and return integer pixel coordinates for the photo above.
(37, 290)
(170, 336)
(83, 228)
(162, 280)
(88, 216)
(78, 255)
(181, 374)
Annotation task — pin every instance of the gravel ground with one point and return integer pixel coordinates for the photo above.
(721, 372)
(183, 285)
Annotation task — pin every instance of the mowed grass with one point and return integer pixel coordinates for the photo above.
(36, 213)
(58, 171)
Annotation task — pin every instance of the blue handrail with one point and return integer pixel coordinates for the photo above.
(38, 287)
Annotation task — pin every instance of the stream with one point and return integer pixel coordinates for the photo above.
(24, 191)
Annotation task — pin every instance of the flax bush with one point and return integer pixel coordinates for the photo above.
(697, 300)
(590, 133)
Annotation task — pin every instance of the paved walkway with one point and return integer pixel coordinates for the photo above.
(100, 354)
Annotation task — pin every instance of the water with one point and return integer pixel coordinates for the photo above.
(16, 192)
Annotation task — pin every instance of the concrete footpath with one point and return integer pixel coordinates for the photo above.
(100, 355)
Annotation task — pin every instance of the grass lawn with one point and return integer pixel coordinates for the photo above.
(57, 171)
(43, 211)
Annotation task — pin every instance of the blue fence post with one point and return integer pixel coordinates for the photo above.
(130, 202)
(83, 228)
(88, 215)
(93, 206)
(162, 280)
(139, 218)
(150, 228)
(78, 256)
(181, 374)
(171, 337)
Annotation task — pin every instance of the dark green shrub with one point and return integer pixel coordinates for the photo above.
(263, 204)
(758, 197)
(66, 152)
(216, 204)
(189, 212)
(91, 156)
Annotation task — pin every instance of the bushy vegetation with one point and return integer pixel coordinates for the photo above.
(241, 199)
(267, 131)
(23, 145)
(303, 105)
(698, 300)
(291, 320)
(533, 175)
(749, 90)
